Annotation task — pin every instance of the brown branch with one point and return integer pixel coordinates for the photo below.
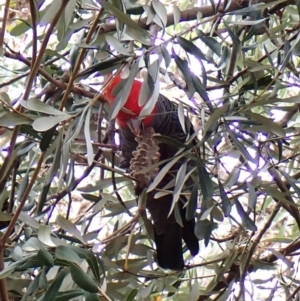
(292, 207)
(48, 77)
(33, 14)
(36, 66)
(191, 14)
(28, 63)
(15, 217)
(3, 285)
(79, 61)
(3, 25)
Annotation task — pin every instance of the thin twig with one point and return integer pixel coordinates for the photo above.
(37, 63)
(4, 23)
(15, 217)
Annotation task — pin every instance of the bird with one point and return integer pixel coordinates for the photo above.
(164, 120)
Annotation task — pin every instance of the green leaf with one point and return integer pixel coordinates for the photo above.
(166, 55)
(111, 41)
(91, 297)
(146, 90)
(235, 40)
(179, 184)
(52, 291)
(206, 184)
(45, 257)
(160, 10)
(17, 253)
(202, 91)
(34, 104)
(191, 48)
(131, 296)
(56, 158)
(12, 119)
(4, 97)
(176, 14)
(47, 139)
(91, 260)
(124, 18)
(192, 203)
(82, 279)
(32, 244)
(69, 12)
(210, 42)
(44, 235)
(246, 220)
(170, 141)
(293, 182)
(21, 28)
(252, 198)
(194, 292)
(28, 220)
(150, 13)
(44, 124)
(213, 121)
(225, 57)
(226, 204)
(241, 147)
(179, 181)
(67, 253)
(181, 116)
(185, 70)
(49, 13)
(69, 227)
(88, 139)
(275, 128)
(101, 184)
(68, 295)
(43, 282)
(177, 213)
(163, 172)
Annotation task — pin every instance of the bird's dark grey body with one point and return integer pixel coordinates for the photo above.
(168, 234)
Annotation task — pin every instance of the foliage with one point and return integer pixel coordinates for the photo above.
(65, 233)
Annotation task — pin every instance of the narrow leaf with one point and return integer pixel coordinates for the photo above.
(116, 45)
(67, 253)
(275, 128)
(213, 120)
(192, 203)
(124, 18)
(45, 257)
(226, 204)
(181, 116)
(82, 279)
(205, 181)
(88, 139)
(43, 124)
(11, 119)
(163, 172)
(176, 14)
(52, 291)
(191, 48)
(160, 10)
(69, 227)
(34, 104)
(240, 146)
(246, 220)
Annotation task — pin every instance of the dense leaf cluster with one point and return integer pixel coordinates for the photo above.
(71, 227)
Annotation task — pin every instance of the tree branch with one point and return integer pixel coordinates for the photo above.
(191, 14)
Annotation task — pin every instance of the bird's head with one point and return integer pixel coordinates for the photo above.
(130, 115)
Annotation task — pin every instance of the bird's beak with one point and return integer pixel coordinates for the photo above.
(134, 125)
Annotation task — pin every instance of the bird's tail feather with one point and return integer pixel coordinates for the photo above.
(169, 248)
